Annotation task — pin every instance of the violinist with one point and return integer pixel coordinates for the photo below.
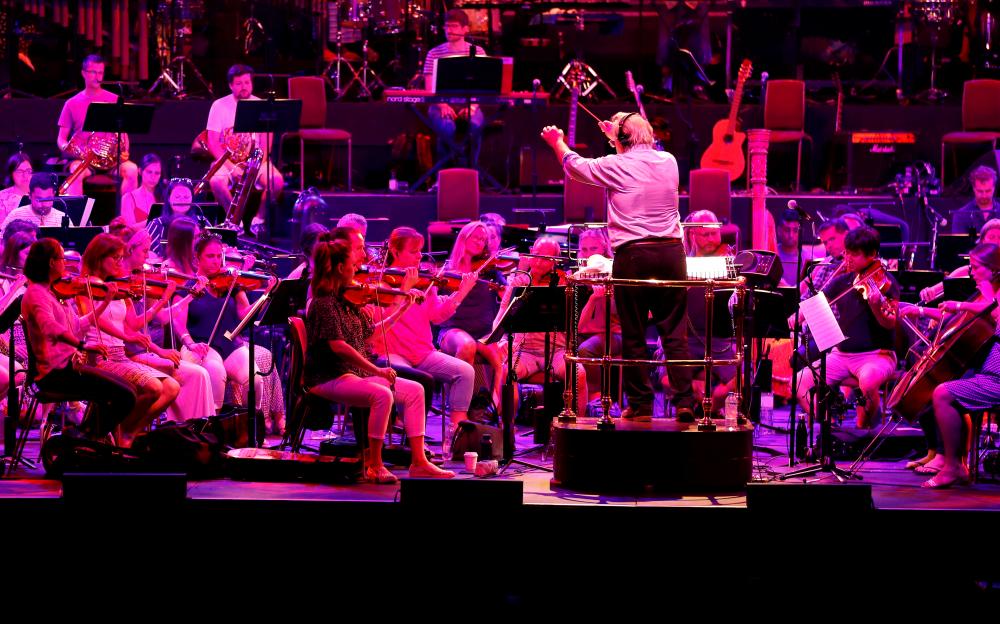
(529, 348)
(54, 332)
(411, 342)
(195, 399)
(592, 319)
(137, 204)
(494, 226)
(461, 335)
(981, 390)
(310, 235)
(104, 259)
(201, 322)
(340, 366)
(865, 298)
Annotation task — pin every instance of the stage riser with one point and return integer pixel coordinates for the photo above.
(659, 457)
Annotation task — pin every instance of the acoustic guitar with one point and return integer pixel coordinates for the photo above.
(726, 150)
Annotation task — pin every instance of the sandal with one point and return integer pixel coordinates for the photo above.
(429, 471)
(380, 475)
(945, 480)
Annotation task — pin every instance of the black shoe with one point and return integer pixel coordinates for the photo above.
(685, 415)
(642, 413)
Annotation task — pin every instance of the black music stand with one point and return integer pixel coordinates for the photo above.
(532, 309)
(118, 118)
(271, 117)
(71, 238)
(256, 309)
(7, 319)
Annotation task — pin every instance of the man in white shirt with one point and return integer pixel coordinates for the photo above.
(221, 119)
(41, 211)
(74, 113)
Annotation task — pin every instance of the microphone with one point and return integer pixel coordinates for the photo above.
(535, 86)
(794, 205)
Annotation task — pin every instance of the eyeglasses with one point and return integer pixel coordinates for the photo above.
(27, 171)
(117, 257)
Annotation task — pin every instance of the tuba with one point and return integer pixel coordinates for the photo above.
(97, 150)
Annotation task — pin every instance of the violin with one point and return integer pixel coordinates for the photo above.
(88, 285)
(226, 278)
(447, 281)
(153, 284)
(361, 294)
(501, 262)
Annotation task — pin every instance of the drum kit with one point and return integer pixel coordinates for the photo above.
(367, 24)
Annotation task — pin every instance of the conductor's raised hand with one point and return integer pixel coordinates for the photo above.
(552, 135)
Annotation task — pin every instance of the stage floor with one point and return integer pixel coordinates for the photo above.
(893, 487)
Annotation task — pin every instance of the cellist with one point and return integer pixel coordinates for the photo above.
(951, 400)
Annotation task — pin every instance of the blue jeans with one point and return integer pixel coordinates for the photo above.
(445, 129)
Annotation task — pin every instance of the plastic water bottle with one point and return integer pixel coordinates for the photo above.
(732, 410)
(766, 406)
(393, 182)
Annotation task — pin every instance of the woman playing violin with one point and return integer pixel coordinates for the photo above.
(981, 391)
(154, 389)
(411, 341)
(530, 347)
(866, 298)
(340, 366)
(461, 335)
(195, 399)
(54, 332)
(201, 323)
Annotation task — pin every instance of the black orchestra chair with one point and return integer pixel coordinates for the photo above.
(980, 118)
(312, 125)
(785, 117)
(31, 398)
(308, 411)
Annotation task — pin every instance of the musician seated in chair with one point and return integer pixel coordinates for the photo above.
(443, 117)
(41, 211)
(70, 124)
(984, 206)
(788, 228)
(953, 400)
(222, 140)
(866, 299)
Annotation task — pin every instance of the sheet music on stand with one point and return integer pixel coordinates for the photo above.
(822, 323)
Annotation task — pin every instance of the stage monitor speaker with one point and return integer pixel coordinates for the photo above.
(806, 498)
(124, 488)
(438, 494)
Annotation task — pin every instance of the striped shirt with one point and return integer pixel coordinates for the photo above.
(442, 51)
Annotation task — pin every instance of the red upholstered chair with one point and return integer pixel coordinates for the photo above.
(312, 91)
(785, 117)
(980, 117)
(584, 202)
(458, 194)
(709, 189)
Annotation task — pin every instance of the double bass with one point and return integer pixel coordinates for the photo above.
(961, 339)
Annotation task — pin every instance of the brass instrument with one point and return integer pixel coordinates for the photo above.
(97, 150)
(246, 184)
(238, 146)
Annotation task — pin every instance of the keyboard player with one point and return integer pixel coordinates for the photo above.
(444, 118)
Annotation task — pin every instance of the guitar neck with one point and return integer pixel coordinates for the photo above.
(735, 107)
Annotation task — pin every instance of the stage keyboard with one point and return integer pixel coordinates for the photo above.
(514, 98)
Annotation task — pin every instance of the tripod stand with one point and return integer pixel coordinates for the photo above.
(578, 74)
